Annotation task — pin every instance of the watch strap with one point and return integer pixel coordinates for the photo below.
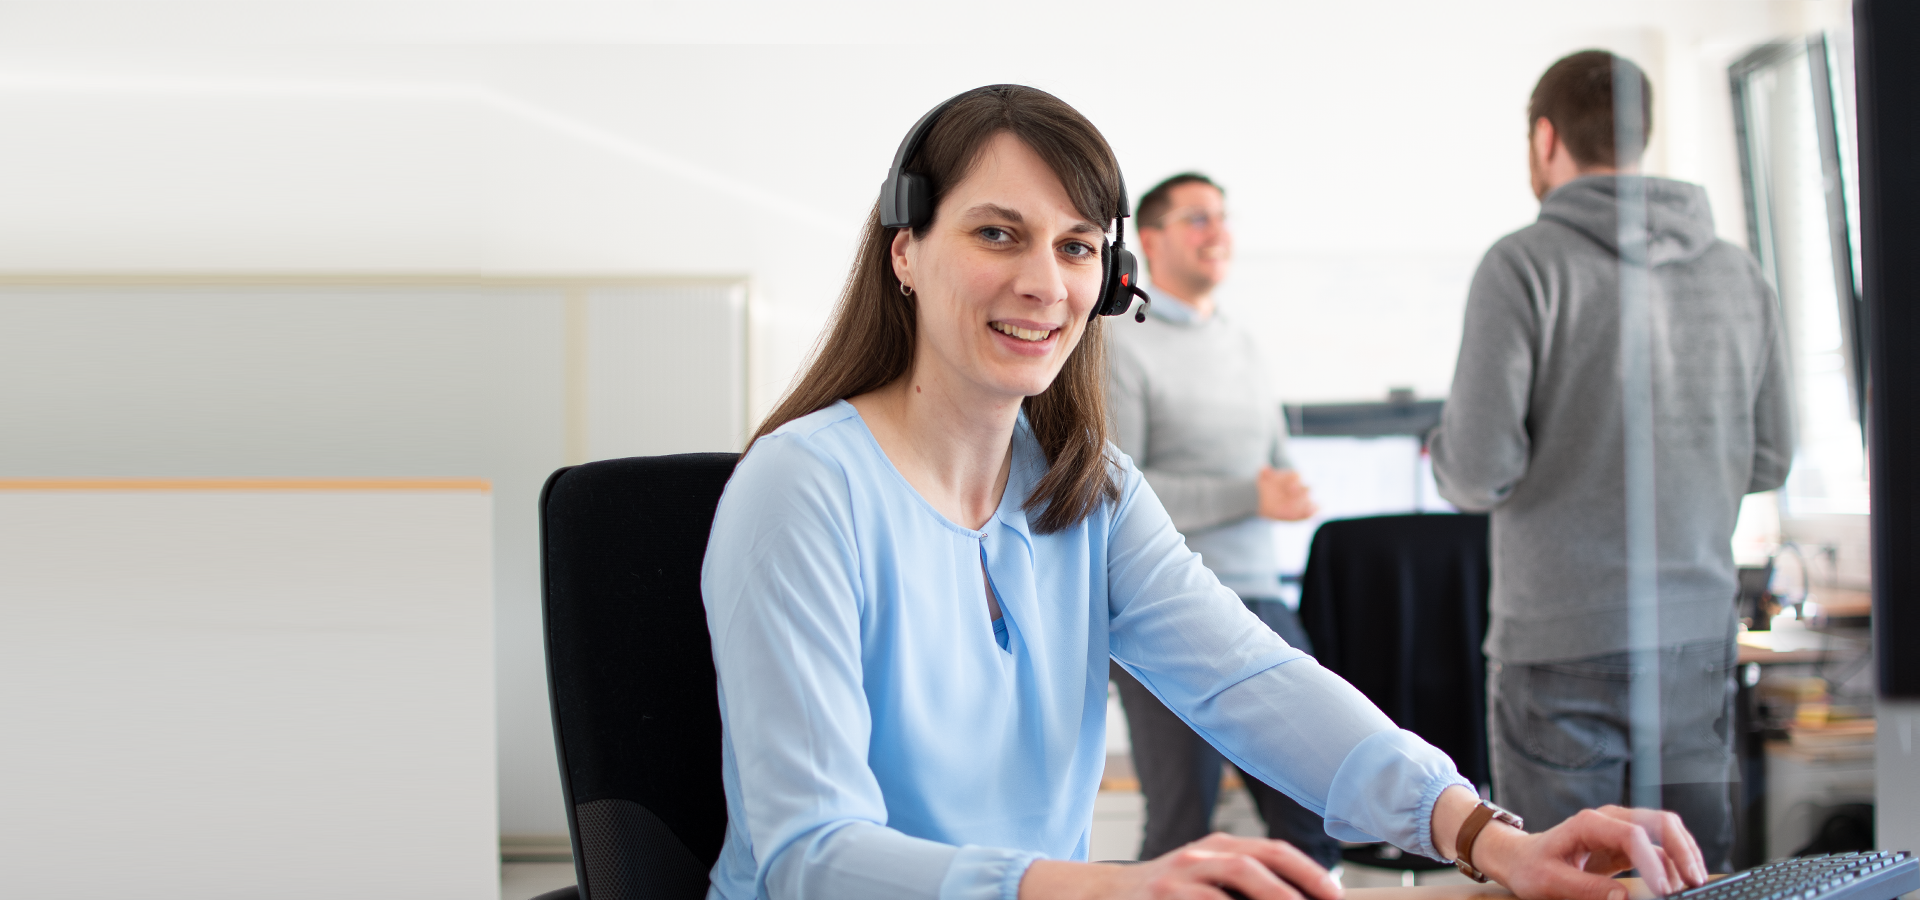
(1463, 845)
(1470, 829)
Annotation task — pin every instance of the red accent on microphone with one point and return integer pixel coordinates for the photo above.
(1123, 280)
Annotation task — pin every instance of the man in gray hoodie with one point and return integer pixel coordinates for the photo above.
(1535, 430)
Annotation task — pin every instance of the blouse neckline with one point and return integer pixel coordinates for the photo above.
(1015, 486)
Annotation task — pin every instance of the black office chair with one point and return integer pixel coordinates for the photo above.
(1397, 605)
(636, 717)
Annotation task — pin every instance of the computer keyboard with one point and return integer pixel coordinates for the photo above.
(1877, 875)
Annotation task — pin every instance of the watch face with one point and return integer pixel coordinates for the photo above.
(1501, 814)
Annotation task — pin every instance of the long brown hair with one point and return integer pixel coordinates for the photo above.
(869, 343)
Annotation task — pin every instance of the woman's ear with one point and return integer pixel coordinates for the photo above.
(901, 239)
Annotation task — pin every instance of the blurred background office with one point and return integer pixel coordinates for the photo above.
(294, 240)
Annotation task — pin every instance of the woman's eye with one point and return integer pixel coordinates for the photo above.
(1078, 250)
(995, 235)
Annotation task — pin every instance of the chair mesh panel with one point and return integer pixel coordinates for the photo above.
(632, 855)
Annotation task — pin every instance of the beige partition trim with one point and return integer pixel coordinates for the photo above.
(577, 341)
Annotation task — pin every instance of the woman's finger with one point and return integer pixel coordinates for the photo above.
(1297, 868)
(1670, 832)
(1674, 880)
(1653, 863)
(1611, 834)
(1684, 849)
(1240, 871)
(1285, 861)
(1647, 858)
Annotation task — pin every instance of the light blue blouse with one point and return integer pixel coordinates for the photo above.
(879, 742)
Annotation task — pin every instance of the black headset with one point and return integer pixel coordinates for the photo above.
(906, 201)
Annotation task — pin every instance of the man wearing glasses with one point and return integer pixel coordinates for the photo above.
(1192, 404)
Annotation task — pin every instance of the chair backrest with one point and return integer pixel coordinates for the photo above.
(1397, 605)
(636, 717)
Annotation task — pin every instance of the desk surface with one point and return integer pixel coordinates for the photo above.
(1796, 646)
(1636, 890)
(1765, 657)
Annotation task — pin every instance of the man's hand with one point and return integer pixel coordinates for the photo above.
(1575, 859)
(1283, 495)
(1206, 869)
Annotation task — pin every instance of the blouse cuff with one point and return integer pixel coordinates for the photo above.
(986, 873)
(1423, 814)
(1362, 804)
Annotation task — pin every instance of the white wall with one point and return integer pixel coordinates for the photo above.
(1372, 152)
(227, 693)
(665, 370)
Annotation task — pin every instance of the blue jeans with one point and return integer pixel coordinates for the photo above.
(1561, 738)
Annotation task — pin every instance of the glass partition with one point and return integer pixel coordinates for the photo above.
(1797, 170)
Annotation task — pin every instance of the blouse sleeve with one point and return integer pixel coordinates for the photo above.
(787, 651)
(1268, 707)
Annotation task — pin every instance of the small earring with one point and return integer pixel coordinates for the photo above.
(906, 291)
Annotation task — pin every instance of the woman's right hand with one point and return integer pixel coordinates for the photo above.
(1256, 868)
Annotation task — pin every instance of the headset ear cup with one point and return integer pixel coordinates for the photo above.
(906, 201)
(919, 199)
(1116, 286)
(1105, 297)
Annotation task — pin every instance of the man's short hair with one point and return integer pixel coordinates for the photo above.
(1154, 204)
(1576, 95)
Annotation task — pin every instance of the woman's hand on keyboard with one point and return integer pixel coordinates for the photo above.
(1577, 858)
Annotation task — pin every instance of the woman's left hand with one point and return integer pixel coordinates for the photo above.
(1575, 859)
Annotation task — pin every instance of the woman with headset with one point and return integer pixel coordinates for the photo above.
(920, 568)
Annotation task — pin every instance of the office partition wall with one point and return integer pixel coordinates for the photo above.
(243, 688)
(504, 379)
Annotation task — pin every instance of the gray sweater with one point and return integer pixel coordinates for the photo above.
(1192, 404)
(1533, 429)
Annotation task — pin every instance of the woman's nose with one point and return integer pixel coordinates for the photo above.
(1041, 277)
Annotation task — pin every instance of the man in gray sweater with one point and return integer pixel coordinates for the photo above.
(1192, 404)
(1536, 430)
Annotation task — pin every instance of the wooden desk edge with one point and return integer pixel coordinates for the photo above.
(1636, 890)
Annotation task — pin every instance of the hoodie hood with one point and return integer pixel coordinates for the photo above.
(1679, 223)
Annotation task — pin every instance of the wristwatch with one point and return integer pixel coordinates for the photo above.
(1470, 829)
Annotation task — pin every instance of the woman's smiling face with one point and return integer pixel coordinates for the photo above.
(1004, 279)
